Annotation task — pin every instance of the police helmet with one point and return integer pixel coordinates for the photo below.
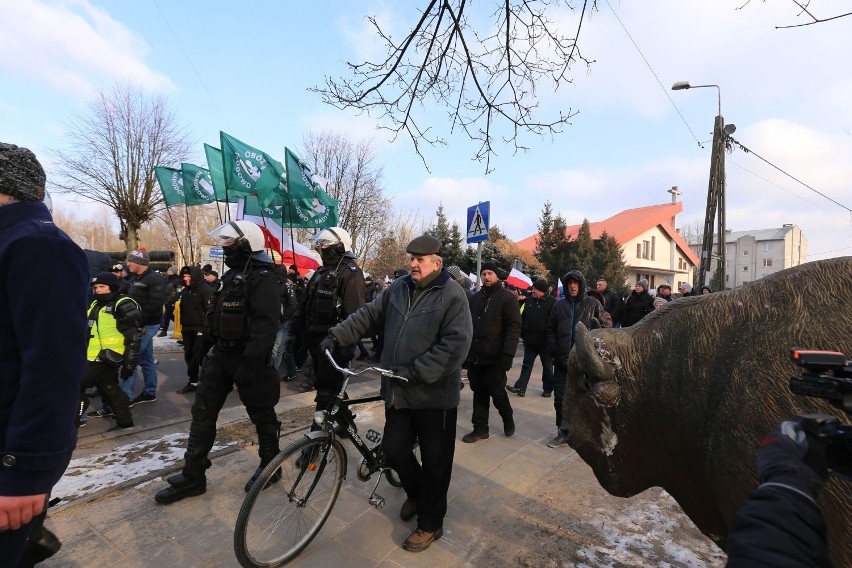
(241, 234)
(335, 238)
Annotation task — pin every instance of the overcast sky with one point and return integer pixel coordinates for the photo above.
(245, 69)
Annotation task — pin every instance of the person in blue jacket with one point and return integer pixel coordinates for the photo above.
(43, 330)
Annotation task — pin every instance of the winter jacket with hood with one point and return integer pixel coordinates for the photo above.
(637, 307)
(496, 325)
(194, 300)
(565, 315)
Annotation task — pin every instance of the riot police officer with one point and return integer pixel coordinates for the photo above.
(243, 320)
(335, 291)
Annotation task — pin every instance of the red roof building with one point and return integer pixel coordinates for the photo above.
(653, 249)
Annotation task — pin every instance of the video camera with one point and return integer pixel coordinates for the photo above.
(827, 375)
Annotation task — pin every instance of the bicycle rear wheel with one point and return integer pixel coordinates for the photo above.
(280, 516)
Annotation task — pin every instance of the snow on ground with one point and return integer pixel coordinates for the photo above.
(96, 472)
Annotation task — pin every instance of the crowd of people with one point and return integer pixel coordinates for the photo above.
(61, 336)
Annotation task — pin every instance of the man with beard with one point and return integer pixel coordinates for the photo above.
(335, 291)
(243, 323)
(496, 329)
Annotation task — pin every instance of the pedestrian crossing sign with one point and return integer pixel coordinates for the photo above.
(478, 218)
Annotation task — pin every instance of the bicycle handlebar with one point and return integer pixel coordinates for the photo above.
(347, 371)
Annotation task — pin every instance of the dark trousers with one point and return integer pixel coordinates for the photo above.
(168, 315)
(327, 380)
(259, 393)
(488, 383)
(426, 482)
(559, 376)
(530, 353)
(195, 347)
(105, 378)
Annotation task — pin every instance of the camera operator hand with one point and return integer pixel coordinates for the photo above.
(780, 523)
(792, 458)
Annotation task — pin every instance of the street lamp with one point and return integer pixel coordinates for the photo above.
(715, 190)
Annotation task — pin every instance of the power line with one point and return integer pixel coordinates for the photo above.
(194, 70)
(654, 73)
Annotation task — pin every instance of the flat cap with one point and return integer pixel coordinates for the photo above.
(423, 245)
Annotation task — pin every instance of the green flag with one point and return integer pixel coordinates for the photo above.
(249, 170)
(171, 184)
(300, 184)
(198, 185)
(217, 175)
(300, 214)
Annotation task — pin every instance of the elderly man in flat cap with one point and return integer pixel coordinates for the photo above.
(427, 329)
(43, 331)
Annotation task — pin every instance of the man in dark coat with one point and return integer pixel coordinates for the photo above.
(496, 329)
(612, 302)
(426, 321)
(575, 307)
(173, 288)
(148, 288)
(535, 314)
(194, 302)
(638, 305)
(42, 355)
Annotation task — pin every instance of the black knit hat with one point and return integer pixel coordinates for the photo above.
(107, 278)
(490, 266)
(21, 174)
(541, 285)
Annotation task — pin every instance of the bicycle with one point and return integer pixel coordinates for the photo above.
(295, 493)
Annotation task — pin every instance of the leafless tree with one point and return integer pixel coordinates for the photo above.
(355, 180)
(482, 75)
(112, 150)
(390, 253)
(805, 8)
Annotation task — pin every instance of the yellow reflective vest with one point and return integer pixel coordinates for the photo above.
(103, 333)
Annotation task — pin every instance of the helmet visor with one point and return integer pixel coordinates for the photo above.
(226, 235)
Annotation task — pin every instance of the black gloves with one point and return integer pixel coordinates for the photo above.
(790, 457)
(506, 360)
(328, 343)
(126, 371)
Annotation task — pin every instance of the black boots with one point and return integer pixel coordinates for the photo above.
(185, 487)
(267, 449)
(118, 402)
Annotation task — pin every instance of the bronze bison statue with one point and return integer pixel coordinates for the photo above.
(682, 399)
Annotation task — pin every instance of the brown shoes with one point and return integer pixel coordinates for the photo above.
(419, 540)
(409, 509)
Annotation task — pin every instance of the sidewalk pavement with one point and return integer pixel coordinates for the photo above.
(127, 528)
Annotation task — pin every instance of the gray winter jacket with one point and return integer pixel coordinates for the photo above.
(426, 342)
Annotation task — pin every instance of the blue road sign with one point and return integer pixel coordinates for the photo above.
(478, 219)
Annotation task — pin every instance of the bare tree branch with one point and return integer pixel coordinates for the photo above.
(112, 151)
(487, 81)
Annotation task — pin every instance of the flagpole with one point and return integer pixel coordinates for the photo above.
(177, 238)
(189, 236)
(290, 224)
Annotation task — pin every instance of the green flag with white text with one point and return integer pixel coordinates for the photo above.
(171, 184)
(300, 182)
(197, 184)
(249, 170)
(300, 214)
(217, 176)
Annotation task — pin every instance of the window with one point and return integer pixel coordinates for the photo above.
(727, 277)
(767, 247)
(745, 252)
(638, 250)
(745, 268)
(653, 247)
(767, 262)
(646, 252)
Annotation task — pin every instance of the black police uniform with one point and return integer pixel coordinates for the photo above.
(243, 322)
(334, 292)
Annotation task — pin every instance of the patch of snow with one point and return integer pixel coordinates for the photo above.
(96, 472)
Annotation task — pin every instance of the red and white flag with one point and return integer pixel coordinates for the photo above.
(518, 279)
(278, 241)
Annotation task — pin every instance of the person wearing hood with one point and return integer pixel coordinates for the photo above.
(194, 299)
(686, 290)
(242, 322)
(334, 292)
(113, 348)
(496, 330)
(706, 290)
(575, 307)
(173, 287)
(638, 304)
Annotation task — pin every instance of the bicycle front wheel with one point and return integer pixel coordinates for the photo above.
(290, 502)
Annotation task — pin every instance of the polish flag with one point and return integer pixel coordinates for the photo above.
(278, 241)
(560, 291)
(518, 279)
